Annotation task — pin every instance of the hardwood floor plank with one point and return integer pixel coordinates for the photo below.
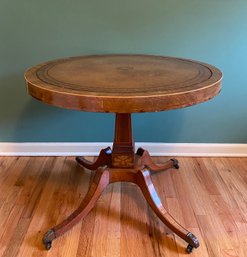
(234, 183)
(240, 165)
(186, 193)
(12, 173)
(220, 182)
(204, 176)
(163, 180)
(5, 165)
(8, 227)
(107, 223)
(8, 205)
(17, 237)
(42, 216)
(206, 195)
(133, 220)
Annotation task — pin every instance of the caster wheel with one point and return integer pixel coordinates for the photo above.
(47, 239)
(175, 163)
(189, 249)
(108, 150)
(140, 151)
(47, 245)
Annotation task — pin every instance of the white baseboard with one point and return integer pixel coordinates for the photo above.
(92, 149)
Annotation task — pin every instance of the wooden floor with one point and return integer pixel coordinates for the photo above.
(206, 195)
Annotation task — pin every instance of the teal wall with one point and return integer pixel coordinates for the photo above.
(36, 31)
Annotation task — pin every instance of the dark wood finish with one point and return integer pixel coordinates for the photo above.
(103, 159)
(122, 155)
(145, 183)
(139, 175)
(123, 145)
(102, 178)
(100, 182)
(123, 83)
(145, 161)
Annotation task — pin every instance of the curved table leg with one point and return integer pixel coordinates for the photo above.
(103, 159)
(145, 183)
(145, 160)
(100, 182)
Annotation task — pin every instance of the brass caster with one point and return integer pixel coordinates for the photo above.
(47, 239)
(175, 163)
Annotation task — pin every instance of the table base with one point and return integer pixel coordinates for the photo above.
(140, 175)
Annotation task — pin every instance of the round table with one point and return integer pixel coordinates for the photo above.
(123, 84)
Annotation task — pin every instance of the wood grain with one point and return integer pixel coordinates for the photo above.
(207, 195)
(123, 83)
